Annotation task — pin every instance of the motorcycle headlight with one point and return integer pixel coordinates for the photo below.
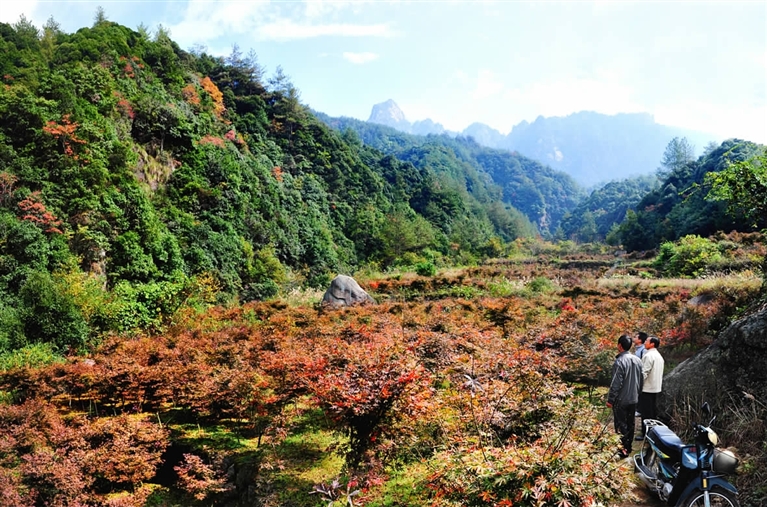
(713, 437)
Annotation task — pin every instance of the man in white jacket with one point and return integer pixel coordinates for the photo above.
(652, 373)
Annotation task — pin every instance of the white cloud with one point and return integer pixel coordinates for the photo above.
(761, 59)
(724, 120)
(560, 98)
(12, 10)
(360, 58)
(486, 85)
(321, 8)
(203, 22)
(286, 29)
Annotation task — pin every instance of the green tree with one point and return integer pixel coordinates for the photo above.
(689, 257)
(404, 231)
(679, 152)
(50, 314)
(634, 236)
(743, 186)
(100, 17)
(51, 32)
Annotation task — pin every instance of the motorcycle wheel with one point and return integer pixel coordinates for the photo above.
(717, 497)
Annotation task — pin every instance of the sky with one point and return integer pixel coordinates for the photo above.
(691, 64)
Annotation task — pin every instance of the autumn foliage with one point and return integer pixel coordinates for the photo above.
(215, 94)
(483, 389)
(50, 459)
(65, 133)
(33, 210)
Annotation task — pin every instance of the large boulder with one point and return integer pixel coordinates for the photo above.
(345, 291)
(735, 363)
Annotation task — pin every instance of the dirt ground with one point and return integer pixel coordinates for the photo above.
(645, 498)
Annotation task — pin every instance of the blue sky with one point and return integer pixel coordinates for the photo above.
(692, 64)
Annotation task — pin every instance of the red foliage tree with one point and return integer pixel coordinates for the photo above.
(46, 459)
(65, 132)
(198, 478)
(366, 379)
(35, 211)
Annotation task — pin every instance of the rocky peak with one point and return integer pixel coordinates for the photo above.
(389, 113)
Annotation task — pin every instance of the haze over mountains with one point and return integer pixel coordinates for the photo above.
(591, 147)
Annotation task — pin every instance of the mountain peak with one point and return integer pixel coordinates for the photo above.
(388, 113)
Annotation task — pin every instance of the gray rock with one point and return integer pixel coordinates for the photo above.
(736, 363)
(345, 291)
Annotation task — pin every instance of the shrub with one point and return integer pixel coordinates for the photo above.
(11, 328)
(689, 257)
(37, 354)
(503, 287)
(54, 460)
(145, 305)
(50, 315)
(540, 285)
(569, 463)
(426, 268)
(198, 478)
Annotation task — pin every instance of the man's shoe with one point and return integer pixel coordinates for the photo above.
(639, 437)
(637, 414)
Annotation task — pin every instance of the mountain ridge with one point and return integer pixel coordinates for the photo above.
(627, 144)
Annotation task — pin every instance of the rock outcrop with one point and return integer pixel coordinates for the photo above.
(735, 363)
(345, 291)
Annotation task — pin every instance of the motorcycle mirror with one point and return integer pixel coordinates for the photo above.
(706, 409)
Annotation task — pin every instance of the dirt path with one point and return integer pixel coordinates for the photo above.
(644, 497)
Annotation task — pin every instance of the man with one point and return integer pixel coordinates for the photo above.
(639, 347)
(652, 381)
(624, 392)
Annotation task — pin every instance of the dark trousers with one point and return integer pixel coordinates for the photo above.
(648, 407)
(623, 416)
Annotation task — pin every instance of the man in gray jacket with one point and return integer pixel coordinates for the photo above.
(624, 392)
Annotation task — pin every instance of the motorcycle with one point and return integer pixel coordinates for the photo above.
(686, 475)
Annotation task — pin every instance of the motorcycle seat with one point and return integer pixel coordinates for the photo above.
(667, 438)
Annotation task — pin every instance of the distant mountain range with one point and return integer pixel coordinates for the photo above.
(591, 147)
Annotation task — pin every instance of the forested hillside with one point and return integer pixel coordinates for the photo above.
(599, 214)
(680, 205)
(129, 164)
(541, 193)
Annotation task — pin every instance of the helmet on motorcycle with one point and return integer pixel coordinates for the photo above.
(725, 461)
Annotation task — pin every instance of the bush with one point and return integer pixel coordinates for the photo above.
(35, 355)
(50, 315)
(11, 328)
(689, 257)
(565, 466)
(145, 306)
(59, 460)
(540, 285)
(426, 268)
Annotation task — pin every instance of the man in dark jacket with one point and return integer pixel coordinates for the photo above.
(624, 392)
